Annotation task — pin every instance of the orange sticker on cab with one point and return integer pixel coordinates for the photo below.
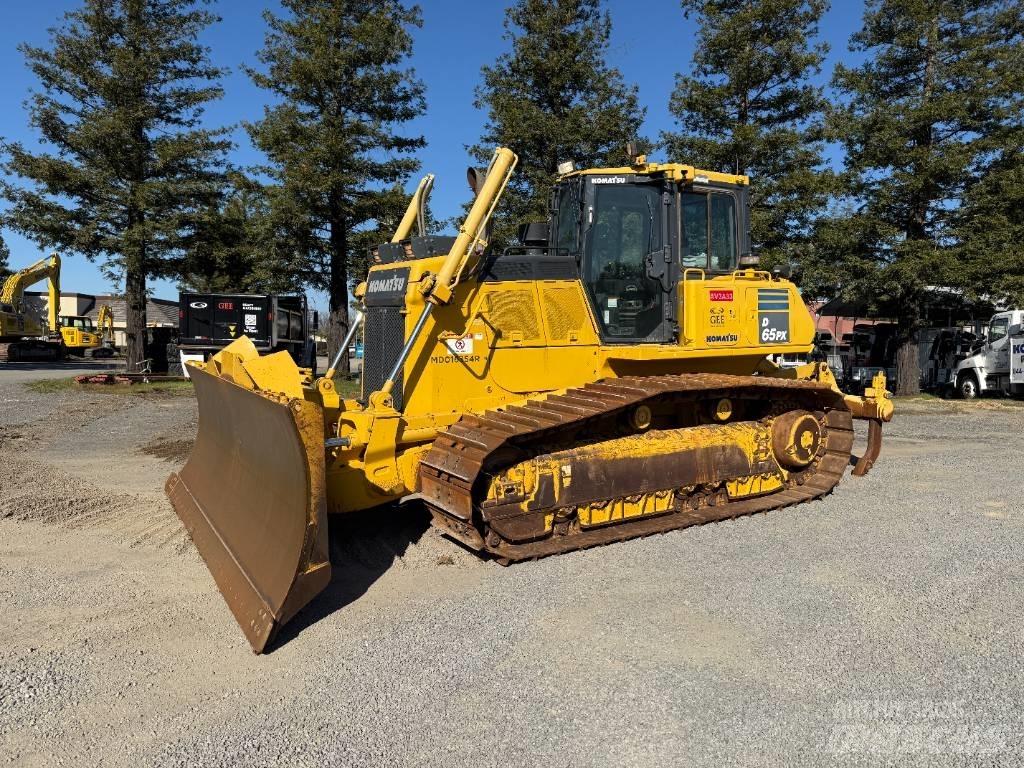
(720, 295)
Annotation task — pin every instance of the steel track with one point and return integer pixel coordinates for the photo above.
(455, 471)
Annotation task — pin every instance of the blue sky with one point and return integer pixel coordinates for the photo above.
(651, 42)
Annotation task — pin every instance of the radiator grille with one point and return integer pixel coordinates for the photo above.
(383, 338)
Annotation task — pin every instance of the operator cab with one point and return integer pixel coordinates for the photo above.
(635, 231)
(77, 321)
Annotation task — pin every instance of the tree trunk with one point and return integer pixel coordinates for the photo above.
(908, 365)
(337, 321)
(908, 368)
(135, 319)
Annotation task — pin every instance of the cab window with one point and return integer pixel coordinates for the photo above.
(998, 328)
(568, 218)
(84, 323)
(709, 231)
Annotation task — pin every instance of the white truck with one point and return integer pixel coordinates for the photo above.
(997, 362)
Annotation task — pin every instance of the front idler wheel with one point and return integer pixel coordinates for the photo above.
(796, 438)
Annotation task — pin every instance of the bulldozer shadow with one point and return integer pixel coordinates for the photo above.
(363, 547)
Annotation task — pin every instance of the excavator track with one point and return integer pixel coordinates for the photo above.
(12, 352)
(466, 459)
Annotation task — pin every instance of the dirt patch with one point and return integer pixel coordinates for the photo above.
(36, 492)
(55, 470)
(169, 450)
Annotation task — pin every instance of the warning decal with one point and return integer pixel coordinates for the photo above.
(462, 346)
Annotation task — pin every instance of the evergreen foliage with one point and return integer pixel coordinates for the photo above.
(748, 106)
(5, 255)
(553, 98)
(919, 119)
(124, 169)
(989, 228)
(337, 158)
(239, 246)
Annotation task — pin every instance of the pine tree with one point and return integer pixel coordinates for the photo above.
(554, 98)
(749, 108)
(917, 121)
(122, 90)
(989, 228)
(335, 68)
(239, 245)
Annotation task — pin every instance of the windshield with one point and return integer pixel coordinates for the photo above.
(998, 328)
(625, 227)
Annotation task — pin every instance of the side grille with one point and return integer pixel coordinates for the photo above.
(564, 312)
(383, 338)
(514, 310)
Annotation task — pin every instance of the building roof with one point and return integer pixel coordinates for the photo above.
(159, 312)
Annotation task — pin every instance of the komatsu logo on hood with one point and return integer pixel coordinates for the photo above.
(386, 284)
(608, 179)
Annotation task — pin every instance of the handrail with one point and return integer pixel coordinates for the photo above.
(688, 270)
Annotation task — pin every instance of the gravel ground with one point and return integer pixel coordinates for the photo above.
(879, 626)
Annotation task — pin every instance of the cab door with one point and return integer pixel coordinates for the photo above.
(627, 265)
(997, 348)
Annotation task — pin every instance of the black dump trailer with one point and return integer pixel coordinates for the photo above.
(208, 322)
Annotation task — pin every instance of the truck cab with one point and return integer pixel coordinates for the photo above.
(988, 368)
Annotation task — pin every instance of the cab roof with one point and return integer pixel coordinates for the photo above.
(674, 171)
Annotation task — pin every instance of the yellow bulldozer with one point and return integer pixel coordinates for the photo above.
(610, 377)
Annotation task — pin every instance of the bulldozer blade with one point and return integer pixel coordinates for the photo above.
(252, 498)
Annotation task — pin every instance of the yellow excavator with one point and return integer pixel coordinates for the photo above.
(611, 377)
(23, 335)
(81, 336)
